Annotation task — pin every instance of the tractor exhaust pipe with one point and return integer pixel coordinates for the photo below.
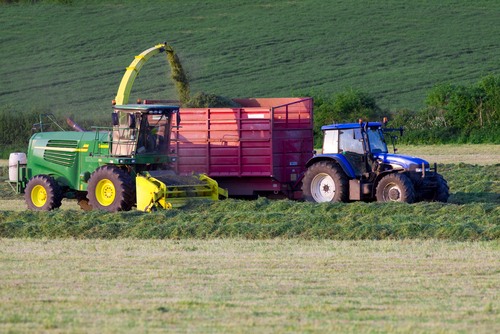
(74, 125)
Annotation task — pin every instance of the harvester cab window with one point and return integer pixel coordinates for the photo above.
(124, 133)
(148, 141)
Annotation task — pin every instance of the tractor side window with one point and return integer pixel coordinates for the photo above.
(331, 142)
(349, 143)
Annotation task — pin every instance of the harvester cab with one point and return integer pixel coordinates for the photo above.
(137, 129)
(356, 165)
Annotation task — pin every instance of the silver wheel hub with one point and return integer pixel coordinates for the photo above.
(323, 188)
(392, 193)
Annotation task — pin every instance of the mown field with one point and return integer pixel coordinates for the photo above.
(263, 266)
(242, 286)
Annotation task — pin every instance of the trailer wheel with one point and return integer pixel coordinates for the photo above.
(395, 188)
(325, 182)
(111, 189)
(42, 193)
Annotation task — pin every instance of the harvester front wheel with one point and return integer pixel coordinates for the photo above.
(395, 188)
(111, 189)
(325, 182)
(42, 193)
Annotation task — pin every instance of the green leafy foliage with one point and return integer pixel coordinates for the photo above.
(346, 106)
(456, 113)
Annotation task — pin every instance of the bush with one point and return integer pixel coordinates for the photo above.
(344, 107)
(17, 126)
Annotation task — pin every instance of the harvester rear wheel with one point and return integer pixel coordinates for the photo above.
(42, 193)
(111, 189)
(395, 188)
(325, 182)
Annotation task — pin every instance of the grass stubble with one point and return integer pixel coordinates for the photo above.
(260, 286)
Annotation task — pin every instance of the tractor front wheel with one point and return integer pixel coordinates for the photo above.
(395, 188)
(442, 191)
(111, 189)
(325, 182)
(42, 193)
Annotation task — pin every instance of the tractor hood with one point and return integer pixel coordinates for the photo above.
(405, 161)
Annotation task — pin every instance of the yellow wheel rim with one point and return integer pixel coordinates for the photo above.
(38, 196)
(105, 192)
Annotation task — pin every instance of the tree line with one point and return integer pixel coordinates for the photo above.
(452, 114)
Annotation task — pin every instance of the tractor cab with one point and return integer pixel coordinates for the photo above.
(354, 138)
(141, 130)
(357, 142)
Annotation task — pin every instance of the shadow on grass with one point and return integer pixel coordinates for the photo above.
(467, 198)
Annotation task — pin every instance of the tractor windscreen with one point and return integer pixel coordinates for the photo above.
(377, 141)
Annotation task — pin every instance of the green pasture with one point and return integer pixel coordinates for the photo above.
(69, 58)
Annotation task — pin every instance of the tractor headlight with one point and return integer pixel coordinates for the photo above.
(419, 170)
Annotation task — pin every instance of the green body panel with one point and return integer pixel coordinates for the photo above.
(71, 157)
(63, 155)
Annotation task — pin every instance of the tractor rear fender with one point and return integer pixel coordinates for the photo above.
(335, 158)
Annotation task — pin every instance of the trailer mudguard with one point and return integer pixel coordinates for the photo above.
(337, 158)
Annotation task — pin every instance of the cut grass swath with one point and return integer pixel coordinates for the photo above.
(266, 219)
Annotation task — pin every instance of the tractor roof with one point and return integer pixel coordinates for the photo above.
(147, 108)
(343, 126)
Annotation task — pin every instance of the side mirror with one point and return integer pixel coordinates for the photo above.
(178, 118)
(114, 119)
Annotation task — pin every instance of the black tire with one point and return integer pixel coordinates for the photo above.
(325, 182)
(42, 193)
(443, 191)
(111, 189)
(83, 201)
(395, 188)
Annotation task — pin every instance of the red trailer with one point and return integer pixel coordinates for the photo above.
(260, 148)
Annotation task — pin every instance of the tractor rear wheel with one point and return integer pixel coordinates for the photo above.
(42, 193)
(395, 188)
(111, 189)
(325, 182)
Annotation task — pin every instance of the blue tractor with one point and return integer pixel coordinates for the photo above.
(355, 164)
